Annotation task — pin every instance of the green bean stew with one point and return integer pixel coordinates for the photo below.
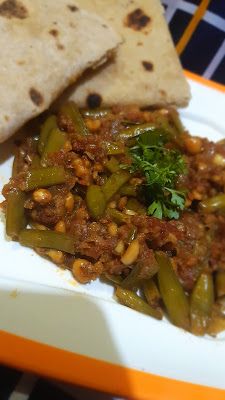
(130, 197)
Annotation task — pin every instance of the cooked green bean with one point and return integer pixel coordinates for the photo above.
(162, 122)
(134, 205)
(47, 239)
(15, 166)
(95, 200)
(113, 278)
(128, 190)
(152, 296)
(112, 165)
(212, 204)
(36, 162)
(130, 123)
(220, 283)
(70, 111)
(133, 280)
(172, 293)
(114, 148)
(201, 304)
(117, 216)
(43, 177)
(151, 293)
(55, 142)
(132, 300)
(95, 113)
(216, 325)
(114, 183)
(217, 320)
(176, 121)
(15, 213)
(48, 125)
(139, 274)
(136, 130)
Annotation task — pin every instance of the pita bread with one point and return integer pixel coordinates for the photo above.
(45, 45)
(146, 70)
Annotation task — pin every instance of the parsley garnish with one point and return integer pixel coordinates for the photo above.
(161, 167)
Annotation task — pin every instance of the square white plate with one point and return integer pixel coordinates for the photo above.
(53, 326)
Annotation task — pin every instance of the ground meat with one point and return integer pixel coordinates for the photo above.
(193, 242)
(51, 213)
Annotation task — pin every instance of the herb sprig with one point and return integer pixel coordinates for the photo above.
(161, 167)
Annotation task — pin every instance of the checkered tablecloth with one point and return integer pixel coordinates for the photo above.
(202, 50)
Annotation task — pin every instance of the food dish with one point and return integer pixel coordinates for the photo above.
(188, 363)
(49, 45)
(128, 196)
(146, 66)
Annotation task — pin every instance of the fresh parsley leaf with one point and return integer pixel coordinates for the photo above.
(155, 209)
(177, 198)
(161, 167)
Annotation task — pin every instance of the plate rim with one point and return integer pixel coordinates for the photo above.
(33, 356)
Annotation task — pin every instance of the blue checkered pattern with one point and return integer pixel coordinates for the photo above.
(205, 52)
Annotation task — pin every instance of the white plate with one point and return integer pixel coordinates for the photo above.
(42, 303)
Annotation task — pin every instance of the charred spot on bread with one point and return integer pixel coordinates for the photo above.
(148, 66)
(36, 97)
(13, 9)
(94, 100)
(60, 46)
(137, 20)
(54, 32)
(72, 8)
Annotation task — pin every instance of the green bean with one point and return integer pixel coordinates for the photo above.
(95, 200)
(132, 300)
(55, 142)
(70, 111)
(114, 183)
(220, 283)
(176, 121)
(216, 325)
(136, 130)
(128, 190)
(139, 274)
(117, 216)
(43, 177)
(152, 296)
(217, 321)
(112, 165)
(113, 148)
(134, 205)
(113, 278)
(133, 280)
(151, 293)
(36, 161)
(15, 166)
(220, 306)
(49, 124)
(47, 239)
(95, 113)
(15, 213)
(162, 122)
(130, 123)
(212, 204)
(202, 299)
(172, 292)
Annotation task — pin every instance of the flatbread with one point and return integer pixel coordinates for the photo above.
(45, 46)
(146, 69)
